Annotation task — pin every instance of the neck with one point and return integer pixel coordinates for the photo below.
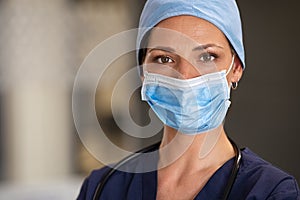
(184, 153)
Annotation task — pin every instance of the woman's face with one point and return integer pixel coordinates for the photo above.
(187, 47)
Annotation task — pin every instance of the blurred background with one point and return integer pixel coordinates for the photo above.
(42, 45)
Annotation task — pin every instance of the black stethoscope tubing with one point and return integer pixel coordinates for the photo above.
(230, 182)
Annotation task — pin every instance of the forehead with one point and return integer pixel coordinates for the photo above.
(187, 30)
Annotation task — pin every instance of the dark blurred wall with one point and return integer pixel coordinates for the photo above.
(265, 109)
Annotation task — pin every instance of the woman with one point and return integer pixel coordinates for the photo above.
(191, 54)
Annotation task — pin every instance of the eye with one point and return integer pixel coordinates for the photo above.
(164, 59)
(207, 57)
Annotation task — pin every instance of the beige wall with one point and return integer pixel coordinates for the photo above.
(42, 46)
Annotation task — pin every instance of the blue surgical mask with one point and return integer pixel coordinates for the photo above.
(191, 106)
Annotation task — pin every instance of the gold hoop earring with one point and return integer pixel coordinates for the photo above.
(234, 85)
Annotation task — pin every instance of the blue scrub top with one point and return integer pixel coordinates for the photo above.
(256, 179)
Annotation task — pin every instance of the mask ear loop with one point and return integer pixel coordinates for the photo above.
(231, 65)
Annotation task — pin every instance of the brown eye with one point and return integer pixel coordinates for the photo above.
(164, 59)
(207, 57)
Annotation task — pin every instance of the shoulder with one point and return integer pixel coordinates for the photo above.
(117, 181)
(91, 182)
(126, 174)
(126, 178)
(254, 165)
(118, 185)
(265, 181)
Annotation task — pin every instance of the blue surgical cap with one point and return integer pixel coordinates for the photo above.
(224, 14)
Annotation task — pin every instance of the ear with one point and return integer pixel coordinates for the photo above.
(237, 71)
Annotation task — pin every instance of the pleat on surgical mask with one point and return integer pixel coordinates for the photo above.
(191, 106)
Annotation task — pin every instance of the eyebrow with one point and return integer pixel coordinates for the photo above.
(205, 46)
(171, 50)
(161, 48)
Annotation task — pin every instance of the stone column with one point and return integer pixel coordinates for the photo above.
(34, 80)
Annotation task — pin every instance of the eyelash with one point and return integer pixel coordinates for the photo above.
(156, 58)
(215, 56)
